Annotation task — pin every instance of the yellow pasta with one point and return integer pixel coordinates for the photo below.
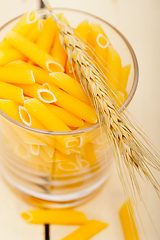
(89, 153)
(85, 137)
(35, 31)
(47, 35)
(94, 30)
(54, 216)
(124, 77)
(59, 157)
(32, 51)
(69, 85)
(10, 55)
(11, 92)
(25, 116)
(39, 92)
(86, 231)
(10, 108)
(44, 156)
(48, 118)
(62, 148)
(41, 76)
(22, 27)
(59, 55)
(83, 30)
(113, 69)
(49, 150)
(68, 118)
(127, 221)
(73, 105)
(16, 75)
(34, 149)
(28, 137)
(101, 46)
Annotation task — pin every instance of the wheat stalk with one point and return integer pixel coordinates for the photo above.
(128, 150)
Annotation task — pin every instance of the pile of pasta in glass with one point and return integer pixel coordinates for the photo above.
(38, 88)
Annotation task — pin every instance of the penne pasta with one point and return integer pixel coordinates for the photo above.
(49, 150)
(68, 118)
(59, 157)
(59, 55)
(101, 46)
(47, 35)
(54, 216)
(16, 75)
(62, 148)
(48, 118)
(11, 92)
(94, 30)
(82, 30)
(10, 55)
(73, 105)
(32, 51)
(89, 153)
(35, 149)
(10, 108)
(86, 231)
(113, 69)
(124, 76)
(22, 27)
(41, 76)
(34, 33)
(39, 92)
(127, 221)
(69, 85)
(44, 156)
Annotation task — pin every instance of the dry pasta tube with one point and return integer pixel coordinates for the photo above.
(69, 85)
(45, 116)
(94, 30)
(85, 137)
(59, 157)
(82, 31)
(35, 31)
(124, 76)
(62, 217)
(22, 27)
(10, 108)
(127, 221)
(62, 148)
(86, 231)
(41, 75)
(16, 75)
(10, 55)
(68, 118)
(27, 137)
(49, 150)
(89, 153)
(59, 55)
(113, 69)
(11, 92)
(32, 51)
(47, 35)
(73, 105)
(101, 51)
(39, 92)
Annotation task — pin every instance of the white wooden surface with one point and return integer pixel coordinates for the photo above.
(139, 21)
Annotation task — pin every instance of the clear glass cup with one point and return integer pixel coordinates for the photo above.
(61, 168)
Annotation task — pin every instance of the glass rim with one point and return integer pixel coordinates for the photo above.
(95, 126)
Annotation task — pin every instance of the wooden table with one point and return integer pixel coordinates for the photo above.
(139, 22)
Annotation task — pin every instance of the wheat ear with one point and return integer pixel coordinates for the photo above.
(122, 134)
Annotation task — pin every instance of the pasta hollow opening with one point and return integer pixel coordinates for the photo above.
(32, 17)
(35, 149)
(72, 143)
(46, 96)
(24, 115)
(54, 66)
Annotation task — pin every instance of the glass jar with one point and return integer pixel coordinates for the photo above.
(65, 168)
